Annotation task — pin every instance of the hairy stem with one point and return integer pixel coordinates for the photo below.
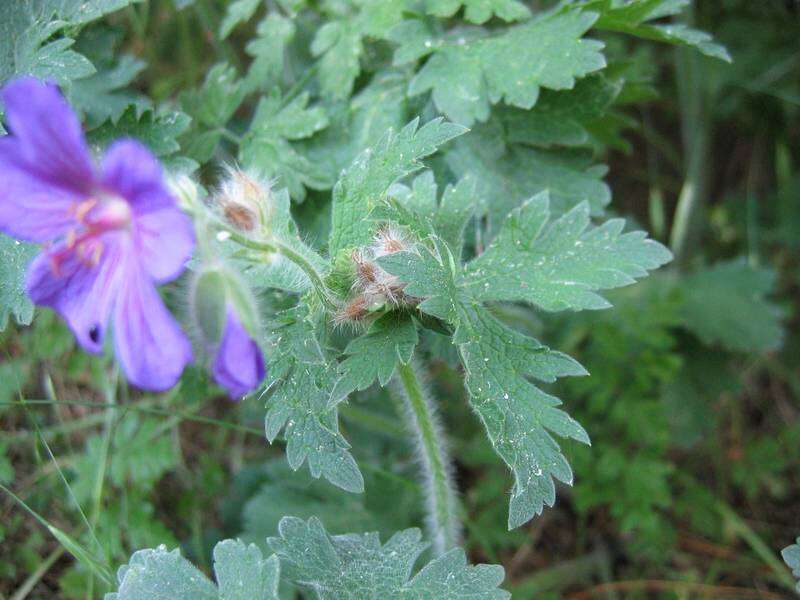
(443, 522)
(276, 246)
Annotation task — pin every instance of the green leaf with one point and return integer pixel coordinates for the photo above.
(238, 12)
(339, 43)
(27, 29)
(100, 97)
(633, 18)
(216, 101)
(505, 176)
(367, 180)
(300, 385)
(519, 417)
(266, 147)
(419, 210)
(14, 259)
(243, 574)
(725, 304)
(560, 265)
(158, 131)
(479, 11)
(791, 556)
(157, 574)
(358, 566)
(466, 76)
(374, 355)
(561, 117)
(429, 273)
(268, 49)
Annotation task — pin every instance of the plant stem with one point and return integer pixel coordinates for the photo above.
(276, 246)
(442, 519)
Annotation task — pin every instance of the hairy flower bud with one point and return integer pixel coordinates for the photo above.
(245, 200)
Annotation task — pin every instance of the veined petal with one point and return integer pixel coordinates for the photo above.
(239, 364)
(149, 343)
(47, 136)
(79, 287)
(31, 208)
(131, 170)
(165, 241)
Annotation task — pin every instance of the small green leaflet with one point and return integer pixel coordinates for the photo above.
(429, 273)
(27, 29)
(518, 416)
(361, 123)
(156, 130)
(299, 387)
(725, 304)
(418, 209)
(102, 97)
(560, 265)
(507, 175)
(374, 355)
(633, 16)
(266, 146)
(479, 11)
(211, 107)
(561, 117)
(14, 259)
(339, 43)
(238, 12)
(358, 566)
(367, 180)
(791, 556)
(268, 48)
(241, 571)
(467, 76)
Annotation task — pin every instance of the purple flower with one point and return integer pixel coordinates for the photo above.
(239, 364)
(111, 234)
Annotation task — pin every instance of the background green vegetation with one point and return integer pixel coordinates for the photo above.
(692, 483)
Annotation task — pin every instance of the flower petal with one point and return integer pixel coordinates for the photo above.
(149, 343)
(47, 135)
(239, 364)
(165, 241)
(131, 170)
(31, 208)
(82, 294)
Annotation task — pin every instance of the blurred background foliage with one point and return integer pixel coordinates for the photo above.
(692, 483)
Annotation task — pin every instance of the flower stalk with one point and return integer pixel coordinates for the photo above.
(443, 523)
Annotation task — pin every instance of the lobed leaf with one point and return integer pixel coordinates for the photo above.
(300, 385)
(467, 76)
(374, 355)
(519, 418)
(359, 566)
(157, 574)
(367, 180)
(560, 265)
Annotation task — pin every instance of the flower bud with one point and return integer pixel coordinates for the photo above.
(246, 200)
(226, 317)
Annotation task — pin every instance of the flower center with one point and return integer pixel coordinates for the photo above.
(95, 216)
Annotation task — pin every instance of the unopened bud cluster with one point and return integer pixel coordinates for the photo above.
(374, 289)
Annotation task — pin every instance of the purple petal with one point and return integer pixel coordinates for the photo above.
(165, 241)
(239, 364)
(81, 293)
(30, 208)
(131, 170)
(47, 136)
(149, 343)
(164, 234)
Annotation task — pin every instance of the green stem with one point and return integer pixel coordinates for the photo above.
(442, 519)
(276, 246)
